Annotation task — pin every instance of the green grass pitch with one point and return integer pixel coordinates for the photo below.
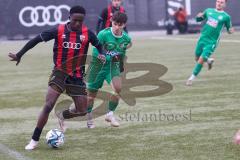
(212, 104)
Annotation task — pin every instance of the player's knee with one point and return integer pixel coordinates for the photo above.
(201, 60)
(117, 89)
(48, 107)
(196, 58)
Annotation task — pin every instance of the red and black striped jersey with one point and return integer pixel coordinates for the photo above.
(104, 20)
(110, 11)
(70, 48)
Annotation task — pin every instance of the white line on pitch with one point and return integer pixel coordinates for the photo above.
(12, 153)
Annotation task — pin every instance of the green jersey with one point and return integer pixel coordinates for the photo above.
(112, 45)
(215, 21)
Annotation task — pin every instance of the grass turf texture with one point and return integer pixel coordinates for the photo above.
(213, 100)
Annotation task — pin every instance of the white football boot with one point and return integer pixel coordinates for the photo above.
(31, 145)
(111, 119)
(210, 63)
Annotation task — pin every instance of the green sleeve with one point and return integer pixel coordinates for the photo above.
(228, 23)
(130, 40)
(100, 37)
(199, 19)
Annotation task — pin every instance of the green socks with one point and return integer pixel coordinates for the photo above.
(90, 108)
(112, 105)
(197, 69)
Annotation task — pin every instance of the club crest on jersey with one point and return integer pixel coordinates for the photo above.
(220, 17)
(82, 38)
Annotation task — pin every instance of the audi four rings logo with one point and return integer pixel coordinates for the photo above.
(41, 16)
(71, 45)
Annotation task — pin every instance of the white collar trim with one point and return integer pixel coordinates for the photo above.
(116, 35)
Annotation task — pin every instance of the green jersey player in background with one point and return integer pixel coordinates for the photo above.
(216, 19)
(115, 42)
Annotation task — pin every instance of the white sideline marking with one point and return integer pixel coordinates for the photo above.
(12, 153)
(191, 39)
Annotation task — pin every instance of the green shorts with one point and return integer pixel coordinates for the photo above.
(98, 72)
(204, 49)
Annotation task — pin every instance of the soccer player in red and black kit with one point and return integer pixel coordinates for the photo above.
(104, 20)
(70, 50)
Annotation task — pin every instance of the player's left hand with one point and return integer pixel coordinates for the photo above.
(13, 57)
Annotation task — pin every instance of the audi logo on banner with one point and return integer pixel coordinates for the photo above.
(41, 15)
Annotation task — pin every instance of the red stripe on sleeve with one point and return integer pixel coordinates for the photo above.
(70, 54)
(81, 55)
(108, 22)
(122, 9)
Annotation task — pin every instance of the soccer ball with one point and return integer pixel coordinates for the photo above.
(55, 138)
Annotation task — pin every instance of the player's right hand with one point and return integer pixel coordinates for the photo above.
(102, 58)
(200, 14)
(13, 57)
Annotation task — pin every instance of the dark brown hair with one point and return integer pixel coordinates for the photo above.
(120, 18)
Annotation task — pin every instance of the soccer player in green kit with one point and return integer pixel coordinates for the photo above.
(216, 19)
(115, 42)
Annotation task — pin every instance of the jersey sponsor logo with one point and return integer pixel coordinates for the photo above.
(220, 17)
(112, 53)
(71, 45)
(113, 45)
(42, 16)
(212, 22)
(82, 38)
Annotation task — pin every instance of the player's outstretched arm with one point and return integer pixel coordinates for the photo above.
(30, 44)
(97, 43)
(200, 17)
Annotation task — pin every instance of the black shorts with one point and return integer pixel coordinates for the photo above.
(72, 85)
